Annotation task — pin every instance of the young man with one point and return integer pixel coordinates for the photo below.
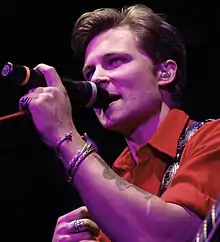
(137, 56)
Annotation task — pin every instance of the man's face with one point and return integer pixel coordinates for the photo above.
(114, 62)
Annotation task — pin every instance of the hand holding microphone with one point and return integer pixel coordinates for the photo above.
(49, 106)
(81, 93)
(48, 101)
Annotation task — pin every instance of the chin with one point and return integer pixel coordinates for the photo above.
(108, 124)
(115, 125)
(109, 119)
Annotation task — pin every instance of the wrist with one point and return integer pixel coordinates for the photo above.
(79, 157)
(67, 147)
(73, 150)
(66, 139)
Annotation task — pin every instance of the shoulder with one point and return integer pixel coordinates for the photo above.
(208, 130)
(206, 138)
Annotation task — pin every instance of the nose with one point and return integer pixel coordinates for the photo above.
(100, 77)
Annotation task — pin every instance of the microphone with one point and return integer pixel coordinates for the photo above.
(81, 93)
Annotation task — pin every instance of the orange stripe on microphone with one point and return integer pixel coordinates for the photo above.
(28, 73)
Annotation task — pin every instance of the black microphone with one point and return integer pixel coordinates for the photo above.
(81, 93)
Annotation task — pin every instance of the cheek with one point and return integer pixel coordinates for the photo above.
(134, 80)
(125, 74)
(142, 96)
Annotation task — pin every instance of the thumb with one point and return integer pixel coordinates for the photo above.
(50, 74)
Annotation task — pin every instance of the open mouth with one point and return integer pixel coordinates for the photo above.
(112, 98)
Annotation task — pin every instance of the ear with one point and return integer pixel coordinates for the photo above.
(166, 73)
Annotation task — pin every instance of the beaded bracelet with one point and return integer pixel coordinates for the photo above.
(80, 155)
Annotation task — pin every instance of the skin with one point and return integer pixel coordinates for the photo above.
(137, 114)
(128, 72)
(62, 232)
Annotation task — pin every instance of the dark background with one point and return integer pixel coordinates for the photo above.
(33, 190)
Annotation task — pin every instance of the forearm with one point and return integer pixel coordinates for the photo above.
(112, 201)
(118, 206)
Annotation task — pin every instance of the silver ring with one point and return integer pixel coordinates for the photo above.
(76, 226)
(25, 101)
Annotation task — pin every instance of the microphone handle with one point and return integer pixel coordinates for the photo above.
(20, 76)
(13, 116)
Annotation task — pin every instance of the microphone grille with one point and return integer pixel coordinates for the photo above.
(7, 69)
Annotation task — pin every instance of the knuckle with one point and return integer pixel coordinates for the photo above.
(61, 219)
(83, 211)
(91, 226)
(36, 90)
(50, 69)
(45, 97)
(63, 238)
(61, 228)
(56, 91)
(52, 90)
(46, 69)
(87, 222)
(43, 67)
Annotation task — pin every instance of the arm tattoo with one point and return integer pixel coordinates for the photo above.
(108, 172)
(121, 183)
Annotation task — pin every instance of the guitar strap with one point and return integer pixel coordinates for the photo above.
(171, 169)
(209, 230)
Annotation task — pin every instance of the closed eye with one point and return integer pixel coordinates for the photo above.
(88, 74)
(115, 62)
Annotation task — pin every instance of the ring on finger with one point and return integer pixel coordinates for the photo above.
(76, 226)
(25, 101)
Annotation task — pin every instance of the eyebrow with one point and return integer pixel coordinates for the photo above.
(85, 68)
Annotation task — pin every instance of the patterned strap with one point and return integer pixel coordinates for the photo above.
(171, 170)
(209, 231)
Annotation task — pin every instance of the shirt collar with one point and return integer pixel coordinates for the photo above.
(167, 135)
(165, 139)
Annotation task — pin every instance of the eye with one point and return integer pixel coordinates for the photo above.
(88, 74)
(115, 61)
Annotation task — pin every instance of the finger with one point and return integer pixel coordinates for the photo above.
(53, 90)
(62, 238)
(88, 240)
(81, 236)
(84, 236)
(37, 89)
(62, 228)
(77, 226)
(81, 212)
(24, 102)
(50, 74)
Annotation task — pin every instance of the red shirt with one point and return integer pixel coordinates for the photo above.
(196, 184)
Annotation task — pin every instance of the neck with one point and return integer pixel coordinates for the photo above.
(146, 130)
